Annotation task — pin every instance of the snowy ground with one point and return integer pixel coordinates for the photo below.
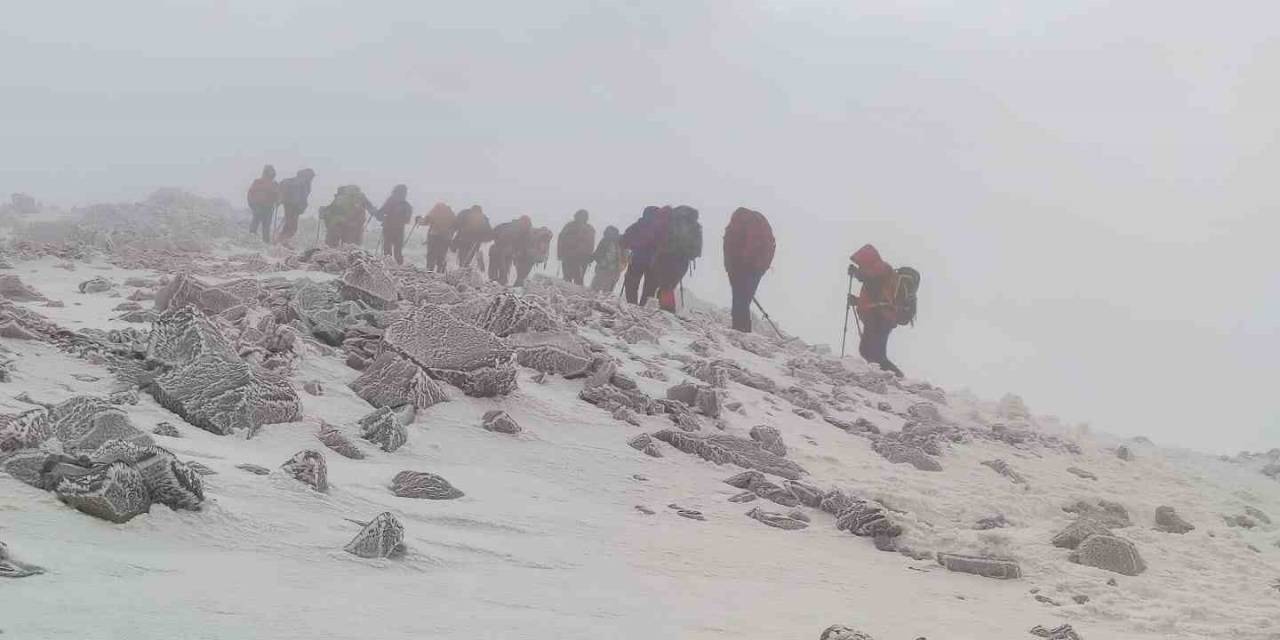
(548, 543)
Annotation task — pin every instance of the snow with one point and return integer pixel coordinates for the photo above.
(547, 541)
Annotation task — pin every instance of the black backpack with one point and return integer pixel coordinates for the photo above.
(904, 295)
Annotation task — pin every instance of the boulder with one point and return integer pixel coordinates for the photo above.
(84, 423)
(393, 381)
(383, 428)
(1111, 553)
(499, 421)
(24, 430)
(12, 288)
(998, 568)
(906, 454)
(115, 492)
(644, 443)
(840, 632)
(381, 538)
(556, 352)
(309, 468)
(366, 281)
(1076, 532)
(1168, 521)
(1111, 514)
(338, 442)
(509, 313)
(449, 349)
(168, 480)
(776, 519)
(1124, 453)
(727, 449)
(423, 485)
(769, 438)
(184, 290)
(97, 285)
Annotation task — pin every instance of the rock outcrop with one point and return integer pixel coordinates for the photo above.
(727, 449)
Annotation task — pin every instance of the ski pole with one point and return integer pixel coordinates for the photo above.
(844, 338)
(766, 317)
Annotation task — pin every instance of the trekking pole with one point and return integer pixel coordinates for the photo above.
(411, 230)
(844, 338)
(766, 317)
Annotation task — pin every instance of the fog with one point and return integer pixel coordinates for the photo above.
(1087, 188)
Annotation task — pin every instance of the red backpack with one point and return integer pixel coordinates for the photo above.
(748, 241)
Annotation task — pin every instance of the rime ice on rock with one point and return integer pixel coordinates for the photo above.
(1001, 467)
(365, 280)
(703, 398)
(449, 349)
(1076, 532)
(383, 428)
(1061, 632)
(394, 381)
(906, 454)
(1168, 521)
(309, 468)
(644, 444)
(840, 632)
(11, 568)
(508, 313)
(1111, 514)
(769, 438)
(381, 538)
(98, 284)
(203, 379)
(723, 448)
(776, 519)
(332, 438)
(23, 430)
(185, 290)
(557, 352)
(999, 568)
(419, 484)
(169, 481)
(114, 492)
(12, 288)
(83, 423)
(1111, 553)
(499, 421)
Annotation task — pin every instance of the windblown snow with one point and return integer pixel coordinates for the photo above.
(200, 438)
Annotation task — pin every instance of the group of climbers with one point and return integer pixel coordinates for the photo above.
(655, 252)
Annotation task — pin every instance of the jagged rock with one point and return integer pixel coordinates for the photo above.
(84, 423)
(366, 281)
(925, 412)
(776, 519)
(499, 421)
(560, 352)
(383, 428)
(254, 469)
(167, 430)
(184, 290)
(203, 379)
(1062, 632)
(609, 397)
(1076, 532)
(16, 331)
(999, 568)
(769, 438)
(12, 568)
(12, 288)
(449, 349)
(807, 494)
(745, 496)
(1081, 473)
(862, 518)
(692, 514)
(859, 426)
(336, 441)
(137, 317)
(796, 514)
(1108, 513)
(128, 306)
(308, 467)
(1001, 467)
(637, 334)
(1168, 521)
(1111, 553)
(393, 381)
(508, 313)
(705, 399)
(997, 521)
(1124, 453)
(128, 396)
(24, 430)
(840, 632)
(114, 492)
(381, 538)
(906, 454)
(723, 448)
(746, 479)
(201, 469)
(97, 285)
(645, 444)
(168, 481)
(316, 389)
(355, 361)
(423, 485)
(645, 510)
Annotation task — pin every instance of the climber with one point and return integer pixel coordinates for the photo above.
(874, 306)
(534, 251)
(508, 237)
(294, 193)
(574, 246)
(395, 213)
(344, 218)
(608, 258)
(440, 229)
(640, 240)
(263, 197)
(748, 253)
(679, 245)
(473, 231)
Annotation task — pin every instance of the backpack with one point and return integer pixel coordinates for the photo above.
(684, 236)
(749, 241)
(905, 290)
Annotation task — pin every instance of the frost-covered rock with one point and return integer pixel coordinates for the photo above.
(184, 290)
(423, 485)
(97, 284)
(10, 567)
(309, 468)
(999, 568)
(1110, 514)
(841, 632)
(381, 538)
(1076, 532)
(557, 352)
(508, 313)
(338, 442)
(727, 449)
(394, 381)
(115, 492)
(1001, 467)
(367, 281)
(84, 423)
(1168, 521)
(644, 443)
(769, 438)
(1081, 473)
(906, 454)
(1111, 553)
(24, 430)
(449, 349)
(383, 428)
(12, 288)
(169, 481)
(777, 520)
(499, 421)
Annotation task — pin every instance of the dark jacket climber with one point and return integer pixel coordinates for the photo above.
(345, 218)
(294, 193)
(508, 237)
(395, 213)
(535, 250)
(641, 241)
(440, 223)
(680, 244)
(473, 230)
(263, 197)
(748, 252)
(873, 306)
(609, 258)
(576, 242)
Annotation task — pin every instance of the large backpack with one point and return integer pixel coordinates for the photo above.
(684, 235)
(749, 241)
(905, 290)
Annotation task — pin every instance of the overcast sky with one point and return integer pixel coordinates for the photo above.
(1088, 187)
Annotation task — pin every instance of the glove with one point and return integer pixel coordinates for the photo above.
(853, 270)
(853, 300)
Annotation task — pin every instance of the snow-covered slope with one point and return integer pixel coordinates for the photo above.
(565, 531)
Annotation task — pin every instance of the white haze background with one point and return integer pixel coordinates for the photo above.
(1088, 187)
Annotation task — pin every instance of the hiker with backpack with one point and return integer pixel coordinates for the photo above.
(679, 245)
(395, 214)
(440, 223)
(508, 238)
(640, 240)
(294, 193)
(345, 218)
(473, 230)
(535, 250)
(748, 253)
(609, 258)
(574, 246)
(887, 299)
(263, 197)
